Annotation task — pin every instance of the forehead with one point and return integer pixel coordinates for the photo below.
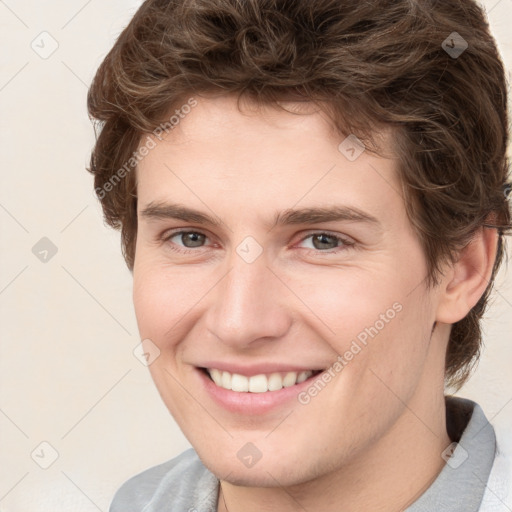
(264, 156)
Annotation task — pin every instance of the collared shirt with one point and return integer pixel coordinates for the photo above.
(460, 485)
(184, 484)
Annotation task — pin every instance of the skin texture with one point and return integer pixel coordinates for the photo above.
(372, 438)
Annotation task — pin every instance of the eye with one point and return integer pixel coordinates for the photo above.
(189, 239)
(321, 241)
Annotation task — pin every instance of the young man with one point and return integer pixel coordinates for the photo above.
(312, 197)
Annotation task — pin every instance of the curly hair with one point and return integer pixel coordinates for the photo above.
(428, 70)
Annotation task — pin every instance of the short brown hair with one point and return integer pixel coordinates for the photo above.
(395, 63)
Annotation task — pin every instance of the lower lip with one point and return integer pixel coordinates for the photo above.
(252, 403)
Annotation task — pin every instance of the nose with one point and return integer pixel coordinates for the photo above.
(249, 304)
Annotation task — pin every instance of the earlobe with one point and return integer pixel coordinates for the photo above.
(468, 278)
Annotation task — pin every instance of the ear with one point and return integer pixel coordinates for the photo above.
(466, 280)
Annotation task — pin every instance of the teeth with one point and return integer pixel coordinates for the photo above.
(239, 383)
(302, 377)
(225, 381)
(275, 382)
(290, 379)
(216, 375)
(257, 383)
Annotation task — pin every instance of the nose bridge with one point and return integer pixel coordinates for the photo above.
(247, 304)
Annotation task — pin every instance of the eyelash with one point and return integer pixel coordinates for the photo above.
(346, 243)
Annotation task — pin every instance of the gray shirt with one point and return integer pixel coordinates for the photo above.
(184, 484)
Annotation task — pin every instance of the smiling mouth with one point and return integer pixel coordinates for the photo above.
(261, 383)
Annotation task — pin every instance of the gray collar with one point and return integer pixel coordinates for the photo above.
(461, 483)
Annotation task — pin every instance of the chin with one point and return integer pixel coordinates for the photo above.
(267, 472)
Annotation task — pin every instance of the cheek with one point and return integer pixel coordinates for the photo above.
(352, 302)
(163, 295)
(382, 337)
(162, 300)
(374, 320)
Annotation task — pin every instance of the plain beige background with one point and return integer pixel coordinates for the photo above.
(68, 375)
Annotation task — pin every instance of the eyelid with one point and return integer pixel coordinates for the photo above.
(345, 241)
(170, 233)
(339, 236)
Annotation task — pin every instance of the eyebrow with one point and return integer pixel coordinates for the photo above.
(311, 215)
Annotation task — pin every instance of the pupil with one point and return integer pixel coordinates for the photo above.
(194, 238)
(322, 238)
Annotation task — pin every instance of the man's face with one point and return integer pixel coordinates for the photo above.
(255, 298)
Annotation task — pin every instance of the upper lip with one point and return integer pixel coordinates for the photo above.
(258, 369)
